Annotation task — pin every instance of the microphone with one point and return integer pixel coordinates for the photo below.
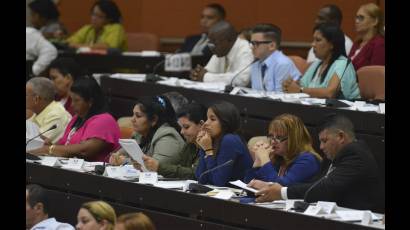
(334, 102)
(301, 206)
(229, 88)
(153, 77)
(198, 187)
(51, 128)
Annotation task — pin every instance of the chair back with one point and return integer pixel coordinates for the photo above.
(138, 42)
(372, 82)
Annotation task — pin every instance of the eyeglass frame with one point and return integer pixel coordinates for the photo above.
(257, 43)
(277, 139)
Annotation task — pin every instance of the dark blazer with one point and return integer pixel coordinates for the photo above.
(189, 44)
(353, 183)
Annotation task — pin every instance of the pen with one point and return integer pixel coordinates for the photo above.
(125, 162)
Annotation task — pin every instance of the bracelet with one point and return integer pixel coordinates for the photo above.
(206, 150)
(50, 149)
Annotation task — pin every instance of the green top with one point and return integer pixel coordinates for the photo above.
(186, 167)
(349, 86)
(112, 35)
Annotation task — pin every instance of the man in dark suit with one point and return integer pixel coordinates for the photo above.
(352, 181)
(197, 44)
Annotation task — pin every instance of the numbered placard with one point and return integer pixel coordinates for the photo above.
(178, 62)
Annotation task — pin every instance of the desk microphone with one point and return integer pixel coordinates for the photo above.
(334, 102)
(51, 128)
(198, 187)
(229, 88)
(153, 77)
(301, 206)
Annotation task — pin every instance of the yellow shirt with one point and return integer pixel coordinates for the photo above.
(54, 113)
(112, 35)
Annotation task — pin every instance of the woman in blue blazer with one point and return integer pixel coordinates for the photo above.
(289, 158)
(219, 144)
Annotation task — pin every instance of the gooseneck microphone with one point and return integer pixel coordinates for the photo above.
(229, 88)
(51, 128)
(153, 77)
(198, 187)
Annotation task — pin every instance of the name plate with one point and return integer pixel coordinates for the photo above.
(312, 210)
(112, 171)
(148, 178)
(50, 161)
(75, 163)
(178, 62)
(327, 207)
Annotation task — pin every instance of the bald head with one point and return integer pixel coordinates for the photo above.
(222, 37)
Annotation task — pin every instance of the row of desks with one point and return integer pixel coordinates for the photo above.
(169, 209)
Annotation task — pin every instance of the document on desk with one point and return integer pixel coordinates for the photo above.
(353, 215)
(133, 149)
(242, 185)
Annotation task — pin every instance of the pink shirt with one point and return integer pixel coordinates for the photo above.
(102, 126)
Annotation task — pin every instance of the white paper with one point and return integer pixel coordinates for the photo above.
(367, 218)
(133, 149)
(242, 185)
(74, 163)
(353, 215)
(50, 161)
(170, 184)
(224, 194)
(382, 108)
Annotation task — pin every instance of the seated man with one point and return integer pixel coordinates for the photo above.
(329, 13)
(231, 60)
(38, 49)
(197, 44)
(40, 93)
(272, 66)
(352, 180)
(37, 207)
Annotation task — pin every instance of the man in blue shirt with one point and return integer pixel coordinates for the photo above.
(273, 66)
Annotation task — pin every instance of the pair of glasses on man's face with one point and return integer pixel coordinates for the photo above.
(277, 139)
(257, 43)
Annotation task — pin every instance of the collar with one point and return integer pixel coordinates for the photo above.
(270, 59)
(45, 222)
(45, 111)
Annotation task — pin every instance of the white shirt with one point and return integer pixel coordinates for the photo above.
(52, 224)
(348, 46)
(39, 49)
(238, 58)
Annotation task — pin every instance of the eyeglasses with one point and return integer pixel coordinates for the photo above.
(360, 18)
(257, 43)
(277, 139)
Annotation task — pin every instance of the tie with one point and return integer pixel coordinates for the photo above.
(263, 70)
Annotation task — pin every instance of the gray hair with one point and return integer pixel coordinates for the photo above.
(43, 87)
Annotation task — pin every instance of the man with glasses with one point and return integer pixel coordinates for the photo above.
(231, 60)
(352, 180)
(272, 66)
(40, 93)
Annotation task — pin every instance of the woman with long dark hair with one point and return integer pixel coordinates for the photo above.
(333, 75)
(219, 144)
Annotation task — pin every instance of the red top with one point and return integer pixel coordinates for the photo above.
(370, 54)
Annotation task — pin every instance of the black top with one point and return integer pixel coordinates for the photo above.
(189, 44)
(354, 181)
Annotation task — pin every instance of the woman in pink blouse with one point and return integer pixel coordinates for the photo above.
(92, 133)
(368, 48)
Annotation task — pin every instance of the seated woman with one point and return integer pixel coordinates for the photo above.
(289, 158)
(134, 221)
(156, 130)
(96, 215)
(44, 17)
(63, 72)
(219, 144)
(368, 49)
(105, 30)
(333, 76)
(92, 133)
